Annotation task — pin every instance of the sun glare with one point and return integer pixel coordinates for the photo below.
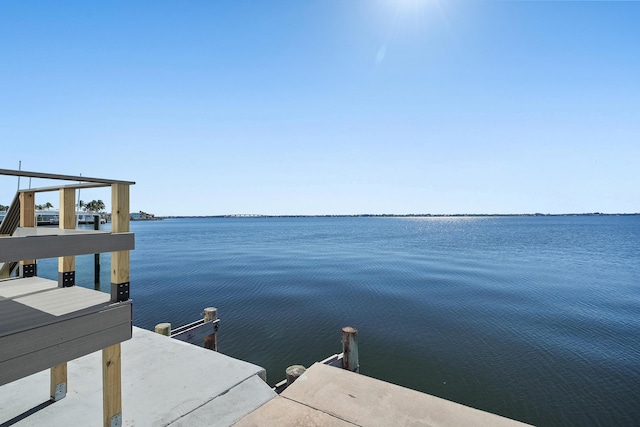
(406, 20)
(407, 13)
(409, 6)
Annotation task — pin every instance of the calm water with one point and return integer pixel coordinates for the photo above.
(533, 318)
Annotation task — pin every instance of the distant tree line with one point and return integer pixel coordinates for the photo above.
(44, 207)
(92, 206)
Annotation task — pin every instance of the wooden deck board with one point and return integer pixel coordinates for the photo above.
(18, 317)
(14, 288)
(61, 301)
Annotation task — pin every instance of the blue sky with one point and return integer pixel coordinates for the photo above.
(328, 107)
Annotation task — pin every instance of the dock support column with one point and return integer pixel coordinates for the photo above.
(211, 340)
(66, 278)
(111, 356)
(67, 264)
(350, 349)
(28, 219)
(111, 386)
(58, 387)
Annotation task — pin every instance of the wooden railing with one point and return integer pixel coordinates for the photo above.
(28, 243)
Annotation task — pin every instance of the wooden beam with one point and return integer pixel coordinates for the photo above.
(111, 386)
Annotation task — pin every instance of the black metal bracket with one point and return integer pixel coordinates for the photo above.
(28, 270)
(66, 279)
(119, 292)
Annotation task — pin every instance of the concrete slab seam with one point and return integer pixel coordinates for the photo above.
(324, 412)
(210, 400)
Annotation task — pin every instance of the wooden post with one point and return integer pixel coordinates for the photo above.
(120, 259)
(67, 264)
(111, 362)
(293, 372)
(27, 209)
(111, 386)
(96, 257)
(58, 387)
(66, 278)
(350, 349)
(211, 340)
(163, 329)
(27, 219)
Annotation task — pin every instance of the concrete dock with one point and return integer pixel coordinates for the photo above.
(329, 396)
(166, 382)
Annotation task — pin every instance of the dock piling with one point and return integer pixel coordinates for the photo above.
(211, 340)
(293, 372)
(350, 349)
(163, 329)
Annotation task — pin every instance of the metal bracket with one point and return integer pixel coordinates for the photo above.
(66, 279)
(116, 420)
(60, 392)
(28, 270)
(119, 292)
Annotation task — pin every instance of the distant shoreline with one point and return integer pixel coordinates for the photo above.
(396, 215)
